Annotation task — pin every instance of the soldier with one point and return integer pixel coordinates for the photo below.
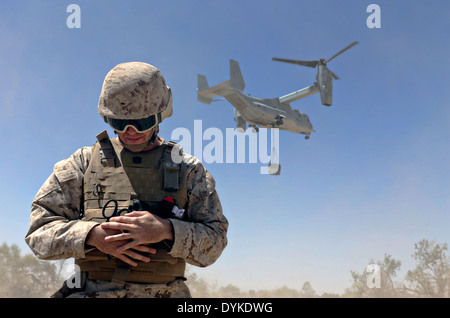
(170, 210)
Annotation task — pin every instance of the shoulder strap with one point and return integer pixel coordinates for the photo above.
(107, 155)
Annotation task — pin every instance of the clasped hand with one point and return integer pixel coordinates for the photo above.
(125, 236)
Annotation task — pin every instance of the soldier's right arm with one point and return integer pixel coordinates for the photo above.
(55, 231)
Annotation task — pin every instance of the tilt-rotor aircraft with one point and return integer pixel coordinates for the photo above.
(271, 112)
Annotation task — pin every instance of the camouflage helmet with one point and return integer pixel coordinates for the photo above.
(135, 90)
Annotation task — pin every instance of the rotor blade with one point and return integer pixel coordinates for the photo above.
(342, 51)
(334, 75)
(298, 62)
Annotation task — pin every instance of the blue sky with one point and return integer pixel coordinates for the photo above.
(373, 178)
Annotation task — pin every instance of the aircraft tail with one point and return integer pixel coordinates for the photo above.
(205, 94)
(236, 79)
(202, 85)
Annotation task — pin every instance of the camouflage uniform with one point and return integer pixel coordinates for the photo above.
(56, 232)
(104, 289)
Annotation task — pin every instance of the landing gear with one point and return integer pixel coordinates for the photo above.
(306, 137)
(255, 129)
(279, 119)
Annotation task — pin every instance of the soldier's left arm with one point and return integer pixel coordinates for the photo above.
(202, 238)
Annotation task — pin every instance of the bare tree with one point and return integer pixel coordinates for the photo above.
(307, 290)
(26, 276)
(387, 287)
(431, 277)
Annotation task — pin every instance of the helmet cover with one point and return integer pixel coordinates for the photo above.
(135, 90)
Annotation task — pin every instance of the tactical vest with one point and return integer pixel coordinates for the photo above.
(122, 175)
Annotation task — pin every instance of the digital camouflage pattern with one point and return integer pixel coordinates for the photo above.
(102, 289)
(56, 232)
(134, 90)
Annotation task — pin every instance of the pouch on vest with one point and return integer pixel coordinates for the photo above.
(171, 176)
(171, 169)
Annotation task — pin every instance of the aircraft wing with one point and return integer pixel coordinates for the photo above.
(266, 106)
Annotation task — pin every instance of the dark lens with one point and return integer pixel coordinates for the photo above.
(140, 124)
(117, 124)
(145, 123)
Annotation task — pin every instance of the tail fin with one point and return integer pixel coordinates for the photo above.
(205, 94)
(202, 84)
(236, 79)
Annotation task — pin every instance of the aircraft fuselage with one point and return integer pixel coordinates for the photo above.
(269, 113)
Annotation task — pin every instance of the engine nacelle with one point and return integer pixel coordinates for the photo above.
(325, 83)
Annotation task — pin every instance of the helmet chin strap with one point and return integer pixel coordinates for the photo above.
(142, 146)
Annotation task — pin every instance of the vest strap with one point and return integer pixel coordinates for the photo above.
(106, 149)
(120, 275)
(161, 269)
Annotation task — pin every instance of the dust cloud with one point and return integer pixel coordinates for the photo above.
(25, 276)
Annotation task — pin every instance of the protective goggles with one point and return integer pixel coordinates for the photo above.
(140, 125)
